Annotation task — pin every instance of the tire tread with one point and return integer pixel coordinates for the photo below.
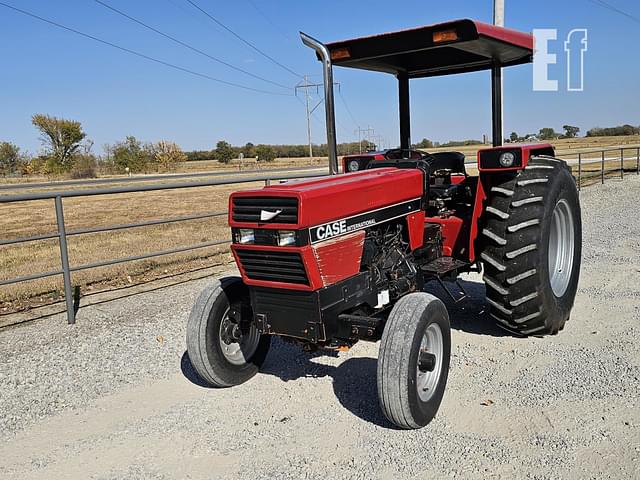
(511, 268)
(395, 349)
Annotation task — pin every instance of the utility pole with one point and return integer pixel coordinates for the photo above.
(379, 142)
(496, 82)
(368, 131)
(498, 13)
(305, 85)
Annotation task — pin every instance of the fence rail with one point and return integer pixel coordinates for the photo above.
(602, 159)
(62, 234)
(584, 157)
(150, 178)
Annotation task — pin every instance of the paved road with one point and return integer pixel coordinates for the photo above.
(114, 397)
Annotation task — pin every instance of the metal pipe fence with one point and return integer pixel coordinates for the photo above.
(66, 269)
(150, 178)
(622, 153)
(584, 158)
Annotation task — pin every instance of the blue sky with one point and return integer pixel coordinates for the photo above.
(114, 94)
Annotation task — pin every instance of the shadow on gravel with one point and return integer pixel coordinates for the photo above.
(190, 373)
(354, 380)
(354, 384)
(470, 315)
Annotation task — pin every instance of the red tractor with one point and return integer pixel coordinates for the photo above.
(332, 261)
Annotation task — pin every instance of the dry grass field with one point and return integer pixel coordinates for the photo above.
(250, 164)
(38, 217)
(562, 145)
(201, 166)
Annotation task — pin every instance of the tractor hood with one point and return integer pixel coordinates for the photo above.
(312, 202)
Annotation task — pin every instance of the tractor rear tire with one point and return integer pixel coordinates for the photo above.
(223, 349)
(413, 363)
(532, 236)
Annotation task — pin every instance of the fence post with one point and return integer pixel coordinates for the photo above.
(64, 257)
(602, 168)
(579, 170)
(622, 163)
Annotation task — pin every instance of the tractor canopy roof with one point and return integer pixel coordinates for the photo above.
(442, 49)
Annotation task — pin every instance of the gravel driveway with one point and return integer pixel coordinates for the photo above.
(114, 398)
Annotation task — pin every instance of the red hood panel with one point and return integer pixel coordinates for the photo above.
(330, 198)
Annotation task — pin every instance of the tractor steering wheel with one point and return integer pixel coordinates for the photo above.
(403, 154)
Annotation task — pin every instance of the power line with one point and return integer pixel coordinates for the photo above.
(348, 109)
(368, 131)
(305, 85)
(313, 114)
(137, 54)
(243, 40)
(345, 130)
(186, 45)
(185, 9)
(271, 22)
(613, 8)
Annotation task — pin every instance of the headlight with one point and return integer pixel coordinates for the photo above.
(507, 159)
(353, 165)
(245, 235)
(286, 238)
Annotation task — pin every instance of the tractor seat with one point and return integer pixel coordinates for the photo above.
(453, 161)
(442, 166)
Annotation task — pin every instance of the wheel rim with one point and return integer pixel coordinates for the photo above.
(237, 351)
(432, 343)
(561, 248)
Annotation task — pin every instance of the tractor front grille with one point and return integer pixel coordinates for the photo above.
(273, 266)
(248, 209)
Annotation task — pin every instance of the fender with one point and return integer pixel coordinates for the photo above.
(488, 158)
(488, 165)
(478, 208)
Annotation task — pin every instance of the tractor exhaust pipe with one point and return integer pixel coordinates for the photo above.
(325, 57)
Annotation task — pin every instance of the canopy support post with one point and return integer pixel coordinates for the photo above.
(496, 82)
(405, 116)
(496, 106)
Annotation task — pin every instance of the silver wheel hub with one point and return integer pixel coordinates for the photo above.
(561, 248)
(237, 347)
(432, 343)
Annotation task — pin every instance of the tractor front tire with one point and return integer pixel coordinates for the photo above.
(413, 363)
(223, 343)
(532, 236)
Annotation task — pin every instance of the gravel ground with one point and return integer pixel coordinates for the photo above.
(114, 397)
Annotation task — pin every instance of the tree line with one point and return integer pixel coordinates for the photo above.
(571, 131)
(225, 152)
(66, 150)
(614, 131)
(546, 133)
